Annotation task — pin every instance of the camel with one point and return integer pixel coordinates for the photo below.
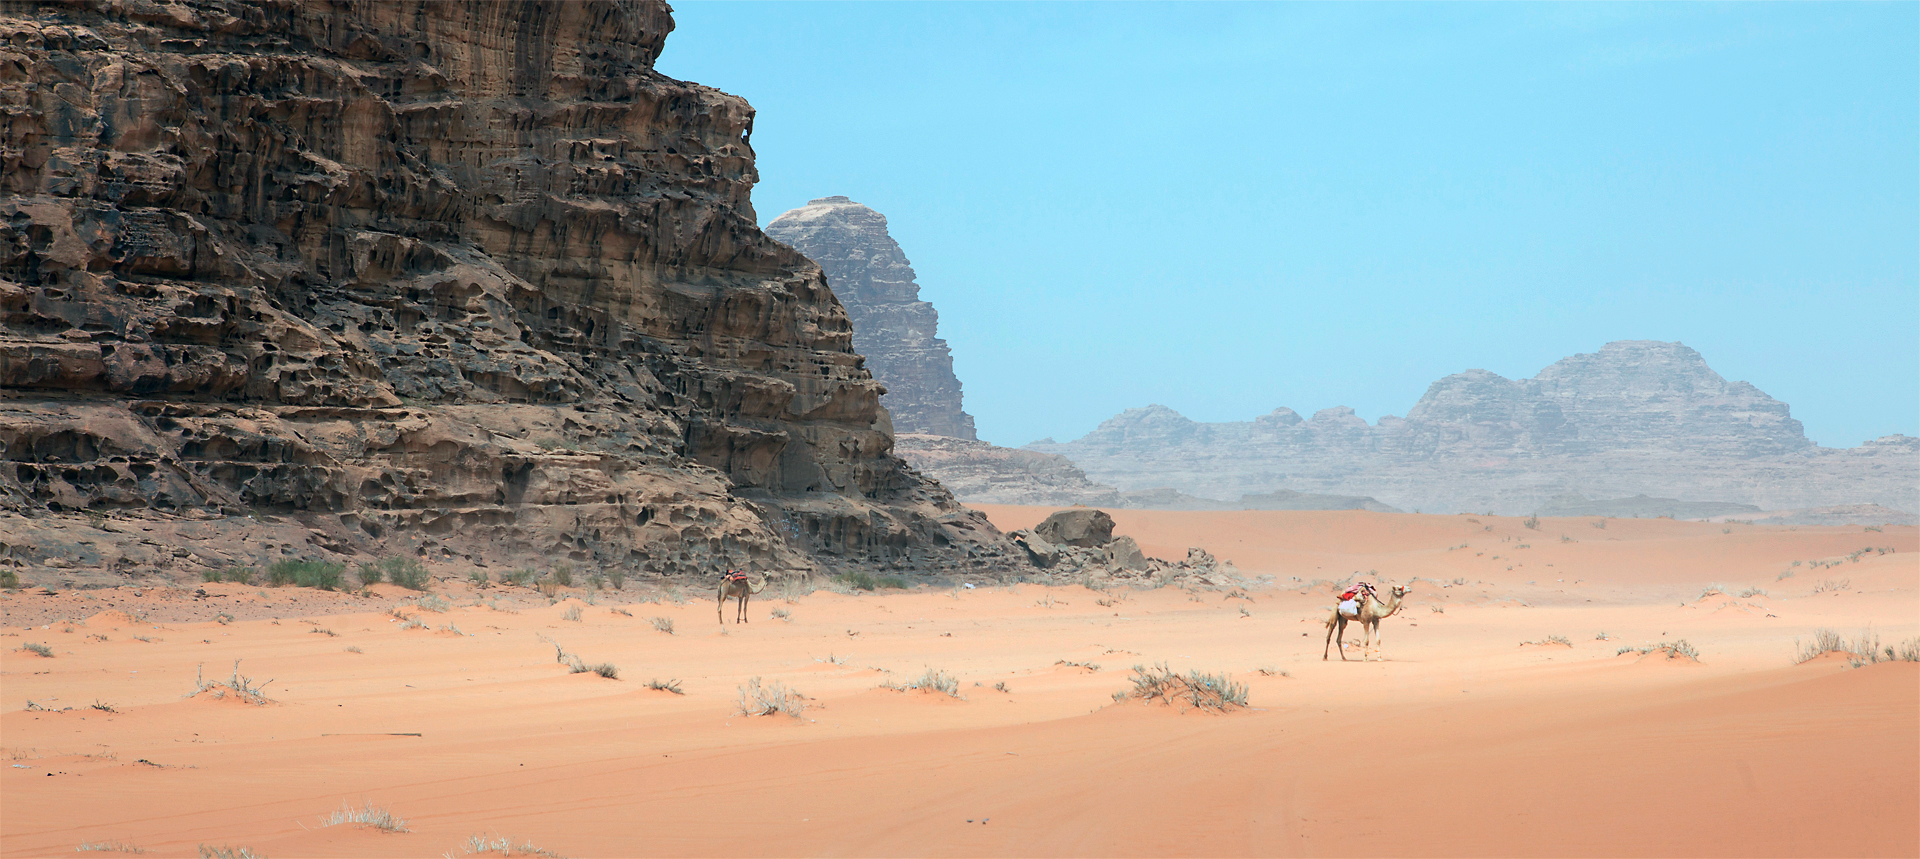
(736, 585)
(1372, 611)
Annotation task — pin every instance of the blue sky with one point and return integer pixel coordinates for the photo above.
(1226, 208)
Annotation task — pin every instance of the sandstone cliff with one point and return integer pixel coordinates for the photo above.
(892, 327)
(1635, 418)
(461, 280)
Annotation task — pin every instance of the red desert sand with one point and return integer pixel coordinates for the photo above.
(1510, 712)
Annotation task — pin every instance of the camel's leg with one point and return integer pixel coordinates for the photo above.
(743, 605)
(1329, 647)
(1341, 637)
(720, 608)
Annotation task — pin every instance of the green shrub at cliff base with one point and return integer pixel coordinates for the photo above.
(857, 579)
(323, 575)
(408, 573)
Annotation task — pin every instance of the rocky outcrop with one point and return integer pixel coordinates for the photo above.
(1079, 544)
(1634, 418)
(977, 472)
(892, 327)
(461, 280)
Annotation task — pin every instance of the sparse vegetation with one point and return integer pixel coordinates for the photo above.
(1750, 593)
(322, 575)
(831, 659)
(1001, 686)
(572, 613)
(408, 573)
(1551, 639)
(1875, 528)
(354, 649)
(1599, 523)
(479, 580)
(665, 686)
(1532, 522)
(1213, 692)
(478, 844)
(38, 649)
(1674, 650)
(9, 580)
(377, 818)
(434, 603)
(563, 575)
(325, 631)
(1271, 671)
(663, 624)
(1601, 636)
(239, 686)
(1832, 585)
(856, 579)
(617, 578)
(933, 680)
(774, 699)
(1865, 649)
(108, 847)
(782, 614)
(524, 577)
(225, 852)
(1087, 665)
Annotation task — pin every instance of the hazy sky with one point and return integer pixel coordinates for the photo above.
(1228, 208)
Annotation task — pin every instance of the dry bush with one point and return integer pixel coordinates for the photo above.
(665, 686)
(38, 649)
(572, 613)
(934, 680)
(239, 686)
(108, 847)
(208, 851)
(1213, 692)
(774, 699)
(478, 844)
(663, 624)
(377, 818)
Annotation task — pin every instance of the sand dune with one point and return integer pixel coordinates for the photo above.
(1476, 735)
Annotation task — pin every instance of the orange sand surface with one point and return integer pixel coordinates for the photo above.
(1462, 739)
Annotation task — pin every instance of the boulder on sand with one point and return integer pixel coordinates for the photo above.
(1080, 526)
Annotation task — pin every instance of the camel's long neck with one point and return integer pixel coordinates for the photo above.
(1386, 609)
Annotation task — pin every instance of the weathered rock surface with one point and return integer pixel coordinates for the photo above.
(461, 280)
(894, 329)
(1079, 527)
(1637, 417)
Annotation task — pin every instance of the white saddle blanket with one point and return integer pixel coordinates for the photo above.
(1350, 608)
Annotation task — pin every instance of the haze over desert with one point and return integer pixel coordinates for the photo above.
(1468, 736)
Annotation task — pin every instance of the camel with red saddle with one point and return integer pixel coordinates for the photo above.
(1369, 612)
(736, 584)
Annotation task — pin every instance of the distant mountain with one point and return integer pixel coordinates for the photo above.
(896, 331)
(1635, 418)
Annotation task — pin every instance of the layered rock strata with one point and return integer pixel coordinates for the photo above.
(896, 331)
(1637, 417)
(461, 280)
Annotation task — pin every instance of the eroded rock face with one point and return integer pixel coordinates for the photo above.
(458, 279)
(981, 473)
(1637, 417)
(892, 327)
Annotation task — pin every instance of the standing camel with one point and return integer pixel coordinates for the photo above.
(736, 585)
(1372, 611)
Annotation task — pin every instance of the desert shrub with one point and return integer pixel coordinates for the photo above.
(1749, 593)
(572, 613)
(108, 847)
(617, 577)
(782, 614)
(209, 575)
(208, 851)
(1271, 671)
(408, 573)
(1552, 639)
(38, 649)
(1832, 585)
(931, 680)
(478, 578)
(478, 844)
(890, 582)
(856, 579)
(563, 575)
(1214, 692)
(323, 575)
(758, 700)
(596, 581)
(1600, 523)
(1001, 687)
(378, 818)
(604, 669)
(239, 686)
(9, 580)
(665, 686)
(1087, 665)
(370, 574)
(434, 603)
(1532, 522)
(663, 624)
